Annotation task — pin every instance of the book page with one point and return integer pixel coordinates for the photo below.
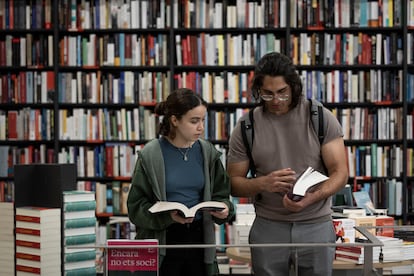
(162, 206)
(308, 179)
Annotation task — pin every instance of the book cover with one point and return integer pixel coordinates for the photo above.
(350, 259)
(80, 222)
(363, 200)
(162, 206)
(126, 260)
(307, 179)
(37, 214)
(86, 254)
(79, 206)
(365, 221)
(86, 271)
(78, 196)
(385, 221)
(344, 230)
(75, 231)
(79, 239)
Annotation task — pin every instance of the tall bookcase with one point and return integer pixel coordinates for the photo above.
(80, 78)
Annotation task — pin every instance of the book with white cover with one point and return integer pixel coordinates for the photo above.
(162, 206)
(307, 179)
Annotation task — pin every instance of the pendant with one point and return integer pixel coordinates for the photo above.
(185, 158)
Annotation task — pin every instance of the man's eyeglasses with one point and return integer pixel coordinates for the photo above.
(267, 95)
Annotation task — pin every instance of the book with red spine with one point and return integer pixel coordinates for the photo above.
(38, 240)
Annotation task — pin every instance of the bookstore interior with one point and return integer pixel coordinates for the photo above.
(80, 80)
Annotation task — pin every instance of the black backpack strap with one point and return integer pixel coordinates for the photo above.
(316, 110)
(248, 136)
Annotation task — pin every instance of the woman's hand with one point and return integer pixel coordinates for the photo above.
(175, 215)
(223, 214)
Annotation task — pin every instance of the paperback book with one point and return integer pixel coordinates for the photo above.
(162, 206)
(306, 180)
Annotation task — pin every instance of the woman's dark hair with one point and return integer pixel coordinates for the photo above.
(178, 103)
(276, 64)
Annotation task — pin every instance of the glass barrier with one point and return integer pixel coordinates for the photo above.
(122, 257)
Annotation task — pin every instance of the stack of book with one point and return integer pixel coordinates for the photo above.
(7, 238)
(391, 251)
(354, 254)
(79, 232)
(245, 215)
(38, 240)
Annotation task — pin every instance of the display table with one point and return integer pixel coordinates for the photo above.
(244, 256)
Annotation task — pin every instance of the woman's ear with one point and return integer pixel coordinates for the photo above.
(173, 121)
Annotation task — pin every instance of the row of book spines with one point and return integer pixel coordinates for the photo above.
(28, 124)
(105, 125)
(119, 230)
(13, 155)
(356, 154)
(305, 48)
(364, 123)
(130, 87)
(24, 15)
(27, 87)
(334, 86)
(144, 14)
(68, 257)
(123, 87)
(118, 49)
(114, 15)
(27, 50)
(137, 124)
(101, 161)
(346, 49)
(111, 197)
(244, 14)
(338, 86)
(374, 161)
(228, 87)
(203, 49)
(6, 189)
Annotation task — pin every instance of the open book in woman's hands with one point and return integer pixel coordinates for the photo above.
(162, 206)
(307, 179)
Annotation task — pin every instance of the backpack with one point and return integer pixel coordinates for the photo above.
(316, 111)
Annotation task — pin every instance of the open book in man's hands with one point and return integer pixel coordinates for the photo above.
(162, 206)
(307, 179)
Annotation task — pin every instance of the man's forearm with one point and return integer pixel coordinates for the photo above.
(245, 187)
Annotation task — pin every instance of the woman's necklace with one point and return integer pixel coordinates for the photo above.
(184, 153)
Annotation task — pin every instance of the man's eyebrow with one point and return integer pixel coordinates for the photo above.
(278, 91)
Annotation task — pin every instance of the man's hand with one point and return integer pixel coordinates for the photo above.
(280, 181)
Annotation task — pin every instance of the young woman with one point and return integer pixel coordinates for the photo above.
(181, 167)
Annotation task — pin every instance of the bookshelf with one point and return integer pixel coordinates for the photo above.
(92, 75)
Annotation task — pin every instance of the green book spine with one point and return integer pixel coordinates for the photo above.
(86, 271)
(79, 206)
(80, 239)
(374, 157)
(80, 222)
(80, 256)
(116, 192)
